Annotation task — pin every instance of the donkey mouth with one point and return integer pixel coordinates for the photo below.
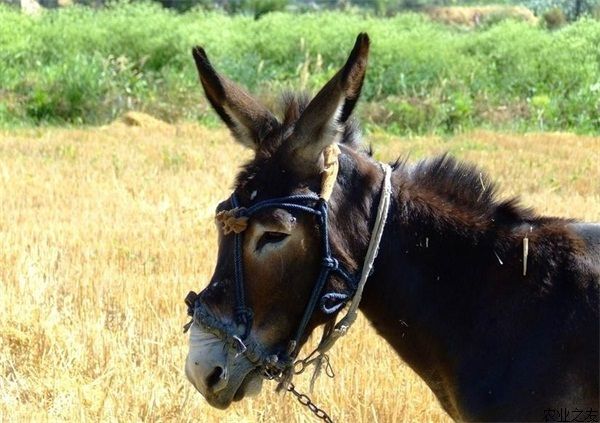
(250, 386)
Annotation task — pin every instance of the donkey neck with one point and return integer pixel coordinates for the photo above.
(415, 298)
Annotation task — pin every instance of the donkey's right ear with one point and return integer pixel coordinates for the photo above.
(248, 120)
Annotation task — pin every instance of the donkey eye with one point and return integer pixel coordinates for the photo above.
(270, 238)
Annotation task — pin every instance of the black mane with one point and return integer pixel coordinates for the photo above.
(463, 192)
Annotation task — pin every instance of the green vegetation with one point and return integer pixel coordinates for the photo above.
(83, 66)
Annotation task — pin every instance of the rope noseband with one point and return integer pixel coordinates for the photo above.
(283, 365)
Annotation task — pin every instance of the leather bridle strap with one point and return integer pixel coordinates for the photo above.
(332, 333)
(342, 327)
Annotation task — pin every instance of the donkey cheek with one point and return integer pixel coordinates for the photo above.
(303, 246)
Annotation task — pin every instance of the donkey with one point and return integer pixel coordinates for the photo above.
(493, 306)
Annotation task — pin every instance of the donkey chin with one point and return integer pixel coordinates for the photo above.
(216, 372)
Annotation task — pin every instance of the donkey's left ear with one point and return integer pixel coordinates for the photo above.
(320, 123)
(247, 119)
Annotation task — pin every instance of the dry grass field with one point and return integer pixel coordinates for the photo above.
(104, 230)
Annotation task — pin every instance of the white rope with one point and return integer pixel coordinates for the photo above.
(342, 327)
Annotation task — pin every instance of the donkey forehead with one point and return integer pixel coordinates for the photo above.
(264, 177)
(263, 180)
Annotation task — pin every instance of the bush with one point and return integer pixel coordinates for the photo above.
(479, 15)
(554, 18)
(79, 65)
(572, 9)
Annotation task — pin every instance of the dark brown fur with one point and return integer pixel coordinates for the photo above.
(448, 290)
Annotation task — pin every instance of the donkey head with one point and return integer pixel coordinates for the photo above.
(281, 249)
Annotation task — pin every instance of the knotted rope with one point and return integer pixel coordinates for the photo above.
(330, 170)
(231, 222)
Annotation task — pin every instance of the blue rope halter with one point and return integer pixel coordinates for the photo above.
(329, 302)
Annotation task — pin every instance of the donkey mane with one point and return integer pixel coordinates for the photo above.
(465, 191)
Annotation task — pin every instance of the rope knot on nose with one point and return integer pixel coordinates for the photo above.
(190, 301)
(234, 220)
(330, 263)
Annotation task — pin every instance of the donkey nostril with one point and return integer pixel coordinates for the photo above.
(214, 377)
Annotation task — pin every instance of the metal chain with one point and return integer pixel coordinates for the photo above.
(305, 400)
(290, 387)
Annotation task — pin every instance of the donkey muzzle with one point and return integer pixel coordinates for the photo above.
(218, 371)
